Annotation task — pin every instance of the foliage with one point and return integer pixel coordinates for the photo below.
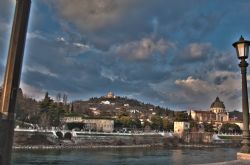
(194, 126)
(208, 127)
(48, 112)
(167, 125)
(230, 128)
(127, 122)
(51, 111)
(46, 102)
(182, 116)
(157, 122)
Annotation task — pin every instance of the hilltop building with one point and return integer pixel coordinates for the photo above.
(110, 95)
(217, 113)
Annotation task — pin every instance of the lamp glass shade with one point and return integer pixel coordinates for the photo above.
(242, 50)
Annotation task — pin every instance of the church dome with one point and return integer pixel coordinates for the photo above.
(217, 104)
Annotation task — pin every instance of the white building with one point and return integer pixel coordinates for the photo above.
(181, 126)
(103, 125)
(105, 102)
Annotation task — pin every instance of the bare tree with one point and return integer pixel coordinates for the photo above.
(65, 99)
(58, 97)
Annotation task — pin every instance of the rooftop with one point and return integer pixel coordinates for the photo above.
(217, 103)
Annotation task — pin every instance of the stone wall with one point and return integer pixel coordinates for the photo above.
(197, 137)
(36, 138)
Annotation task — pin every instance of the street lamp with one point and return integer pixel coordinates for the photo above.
(242, 49)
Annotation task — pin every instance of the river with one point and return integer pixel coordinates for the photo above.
(132, 156)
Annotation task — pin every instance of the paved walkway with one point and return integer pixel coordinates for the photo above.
(234, 162)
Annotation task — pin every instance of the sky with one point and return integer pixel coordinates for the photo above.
(175, 54)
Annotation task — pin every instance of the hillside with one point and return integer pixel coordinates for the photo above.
(48, 111)
(117, 106)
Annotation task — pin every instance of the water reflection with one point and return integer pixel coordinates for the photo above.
(139, 156)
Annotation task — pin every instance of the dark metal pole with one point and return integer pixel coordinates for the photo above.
(246, 138)
(12, 79)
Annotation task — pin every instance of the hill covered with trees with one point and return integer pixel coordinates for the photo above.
(126, 112)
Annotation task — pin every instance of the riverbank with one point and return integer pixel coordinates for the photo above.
(79, 147)
(51, 147)
(33, 140)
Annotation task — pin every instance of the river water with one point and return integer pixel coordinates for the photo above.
(131, 156)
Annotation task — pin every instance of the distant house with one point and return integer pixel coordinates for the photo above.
(126, 105)
(71, 119)
(96, 112)
(134, 111)
(103, 125)
(106, 102)
(181, 126)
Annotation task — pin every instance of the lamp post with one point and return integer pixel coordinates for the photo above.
(242, 49)
(12, 79)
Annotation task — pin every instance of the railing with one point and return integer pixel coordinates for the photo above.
(74, 133)
(226, 134)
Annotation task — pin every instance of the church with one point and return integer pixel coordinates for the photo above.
(217, 113)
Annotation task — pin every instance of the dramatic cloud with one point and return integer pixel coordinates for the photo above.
(41, 70)
(32, 92)
(142, 49)
(94, 14)
(197, 50)
(6, 6)
(221, 83)
(164, 52)
(194, 86)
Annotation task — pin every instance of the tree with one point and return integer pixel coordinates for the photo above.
(137, 123)
(44, 120)
(46, 102)
(194, 126)
(51, 111)
(156, 122)
(230, 128)
(58, 97)
(181, 116)
(167, 125)
(126, 121)
(208, 127)
(65, 99)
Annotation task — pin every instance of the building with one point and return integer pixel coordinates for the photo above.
(202, 116)
(218, 108)
(110, 95)
(106, 102)
(99, 125)
(181, 126)
(217, 113)
(72, 119)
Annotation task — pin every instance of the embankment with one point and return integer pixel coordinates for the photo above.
(44, 140)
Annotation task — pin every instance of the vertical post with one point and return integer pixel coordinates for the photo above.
(12, 79)
(245, 108)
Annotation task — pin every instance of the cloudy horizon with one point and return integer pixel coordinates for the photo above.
(162, 52)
